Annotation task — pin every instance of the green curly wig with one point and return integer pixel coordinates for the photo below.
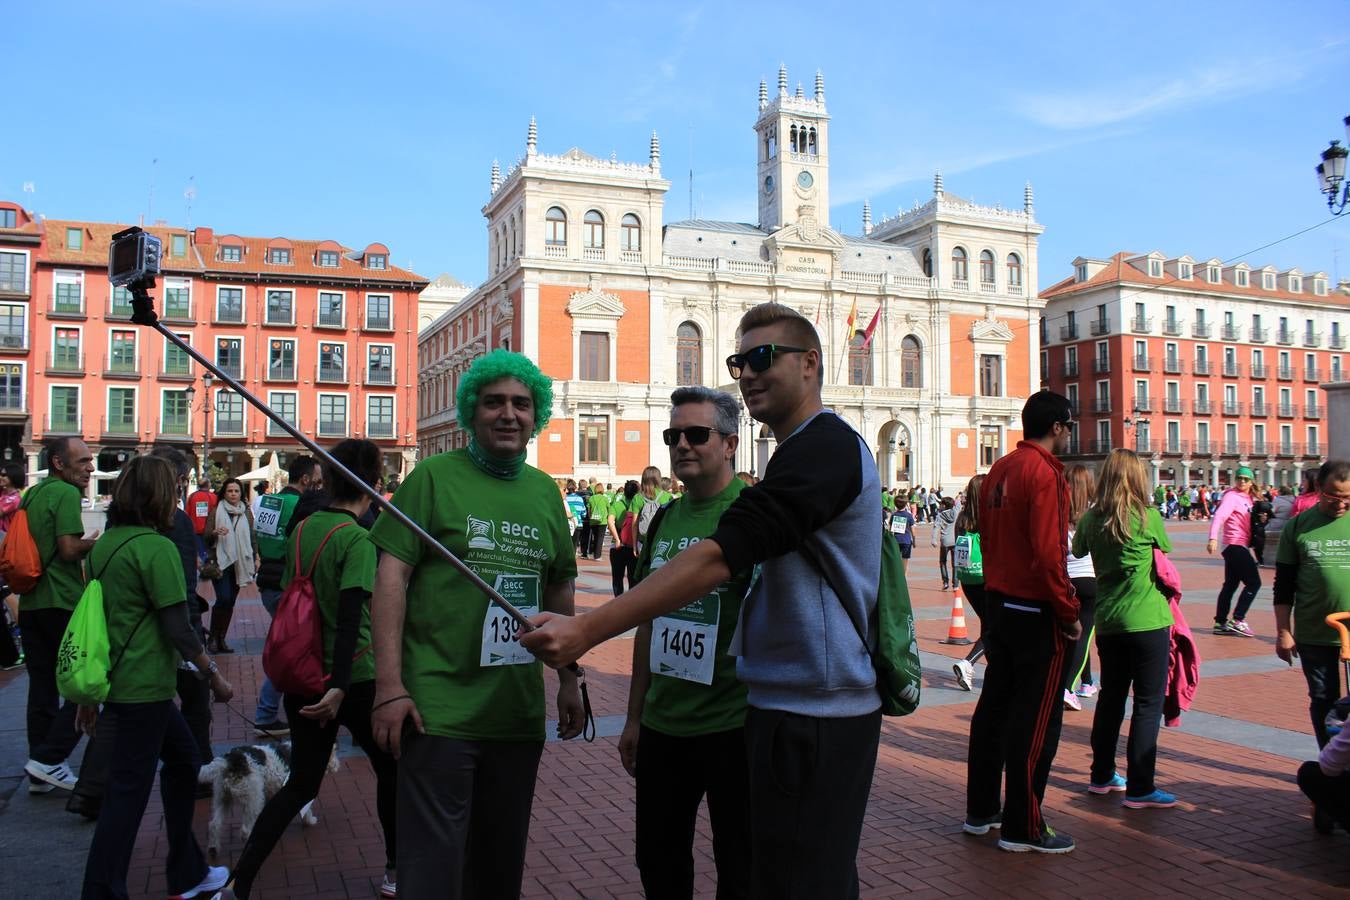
(495, 366)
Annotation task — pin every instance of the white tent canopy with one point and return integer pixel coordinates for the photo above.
(270, 472)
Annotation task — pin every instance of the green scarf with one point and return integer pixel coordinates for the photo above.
(505, 469)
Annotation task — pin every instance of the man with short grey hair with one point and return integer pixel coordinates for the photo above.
(685, 734)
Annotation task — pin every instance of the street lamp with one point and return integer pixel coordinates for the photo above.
(1331, 174)
(191, 393)
(207, 378)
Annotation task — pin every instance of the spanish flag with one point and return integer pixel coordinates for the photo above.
(871, 328)
(852, 322)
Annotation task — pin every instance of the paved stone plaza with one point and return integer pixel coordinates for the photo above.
(1241, 828)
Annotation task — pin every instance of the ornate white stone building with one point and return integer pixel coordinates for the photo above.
(587, 278)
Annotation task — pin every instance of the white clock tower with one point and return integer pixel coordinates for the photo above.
(794, 155)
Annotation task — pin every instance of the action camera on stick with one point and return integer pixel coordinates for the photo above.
(133, 263)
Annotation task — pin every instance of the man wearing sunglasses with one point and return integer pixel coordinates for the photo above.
(813, 523)
(685, 734)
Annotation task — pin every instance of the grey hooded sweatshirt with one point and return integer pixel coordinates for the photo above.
(797, 643)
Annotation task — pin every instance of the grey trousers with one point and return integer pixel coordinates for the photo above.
(464, 816)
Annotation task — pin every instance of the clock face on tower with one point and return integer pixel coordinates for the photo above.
(804, 180)
(768, 184)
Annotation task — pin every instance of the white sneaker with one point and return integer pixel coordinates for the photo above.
(965, 674)
(215, 879)
(389, 889)
(58, 775)
(1071, 701)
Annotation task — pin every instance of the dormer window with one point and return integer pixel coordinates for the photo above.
(1155, 268)
(1212, 273)
(9, 218)
(1184, 271)
(376, 261)
(178, 245)
(74, 239)
(1295, 284)
(1240, 278)
(231, 253)
(1320, 287)
(1080, 272)
(1268, 281)
(328, 258)
(279, 256)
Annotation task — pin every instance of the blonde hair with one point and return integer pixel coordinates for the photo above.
(651, 482)
(1082, 483)
(1122, 493)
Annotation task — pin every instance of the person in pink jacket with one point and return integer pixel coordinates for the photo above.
(1231, 527)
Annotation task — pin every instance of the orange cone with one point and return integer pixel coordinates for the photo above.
(956, 632)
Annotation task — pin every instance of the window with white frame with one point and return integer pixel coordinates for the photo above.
(13, 326)
(280, 307)
(593, 440)
(230, 356)
(229, 418)
(332, 362)
(13, 270)
(281, 359)
(68, 293)
(379, 312)
(330, 310)
(12, 386)
(379, 416)
(380, 364)
(177, 298)
(64, 414)
(230, 304)
(333, 415)
(286, 405)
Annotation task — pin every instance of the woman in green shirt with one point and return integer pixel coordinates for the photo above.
(145, 600)
(1133, 621)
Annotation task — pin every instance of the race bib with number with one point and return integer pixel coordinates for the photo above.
(899, 524)
(684, 642)
(268, 520)
(501, 633)
(203, 508)
(962, 555)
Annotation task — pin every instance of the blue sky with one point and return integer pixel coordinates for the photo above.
(1187, 128)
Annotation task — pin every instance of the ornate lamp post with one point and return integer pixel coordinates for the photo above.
(206, 415)
(191, 393)
(1331, 174)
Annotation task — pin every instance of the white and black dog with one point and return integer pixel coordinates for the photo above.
(249, 776)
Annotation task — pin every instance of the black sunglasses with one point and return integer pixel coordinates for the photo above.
(694, 434)
(757, 358)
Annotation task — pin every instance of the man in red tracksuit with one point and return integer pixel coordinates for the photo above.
(1031, 621)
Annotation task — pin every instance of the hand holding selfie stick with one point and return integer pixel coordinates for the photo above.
(133, 262)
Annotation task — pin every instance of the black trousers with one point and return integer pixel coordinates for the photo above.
(145, 733)
(1016, 725)
(1138, 658)
(1322, 671)
(51, 724)
(1329, 793)
(1239, 567)
(674, 774)
(311, 747)
(974, 594)
(809, 781)
(597, 538)
(622, 564)
(9, 651)
(1082, 648)
(464, 814)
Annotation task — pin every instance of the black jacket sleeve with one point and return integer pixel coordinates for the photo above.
(350, 602)
(177, 627)
(185, 539)
(812, 478)
(1286, 578)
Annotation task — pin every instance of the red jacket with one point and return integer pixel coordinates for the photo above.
(201, 505)
(1024, 518)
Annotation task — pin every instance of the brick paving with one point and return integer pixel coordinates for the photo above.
(1242, 828)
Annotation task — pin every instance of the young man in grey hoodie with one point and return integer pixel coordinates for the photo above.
(814, 720)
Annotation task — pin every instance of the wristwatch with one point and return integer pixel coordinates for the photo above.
(211, 670)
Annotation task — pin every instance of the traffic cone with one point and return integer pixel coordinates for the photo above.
(956, 632)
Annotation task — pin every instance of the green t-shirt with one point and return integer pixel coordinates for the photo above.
(462, 659)
(348, 562)
(272, 521)
(969, 562)
(147, 572)
(53, 510)
(887, 501)
(1320, 546)
(1128, 599)
(708, 698)
(598, 504)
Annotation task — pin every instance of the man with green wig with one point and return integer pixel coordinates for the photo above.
(458, 701)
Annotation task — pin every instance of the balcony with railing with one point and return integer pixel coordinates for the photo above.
(1232, 369)
(1231, 333)
(1101, 365)
(555, 251)
(1232, 408)
(1203, 447)
(1172, 447)
(1073, 408)
(118, 307)
(1068, 332)
(1232, 448)
(13, 339)
(1202, 407)
(1173, 406)
(118, 427)
(378, 322)
(59, 425)
(1259, 370)
(329, 427)
(1100, 326)
(1289, 448)
(1286, 410)
(630, 256)
(961, 284)
(1144, 445)
(1284, 336)
(382, 376)
(65, 305)
(121, 365)
(1074, 448)
(1142, 405)
(1285, 373)
(380, 429)
(1312, 449)
(1336, 342)
(228, 426)
(64, 362)
(1312, 411)
(1259, 448)
(1173, 327)
(1101, 405)
(1260, 409)
(329, 373)
(175, 426)
(1172, 365)
(593, 254)
(1202, 329)
(1141, 324)
(178, 307)
(1099, 446)
(1312, 338)
(176, 366)
(275, 430)
(1202, 367)
(1143, 364)
(1312, 373)
(1071, 369)
(232, 368)
(1260, 335)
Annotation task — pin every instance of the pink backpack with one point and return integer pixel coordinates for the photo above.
(293, 653)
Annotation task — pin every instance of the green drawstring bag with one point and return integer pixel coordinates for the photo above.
(82, 662)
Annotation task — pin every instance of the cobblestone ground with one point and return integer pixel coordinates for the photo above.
(1241, 828)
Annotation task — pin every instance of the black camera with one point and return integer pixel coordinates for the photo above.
(133, 256)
